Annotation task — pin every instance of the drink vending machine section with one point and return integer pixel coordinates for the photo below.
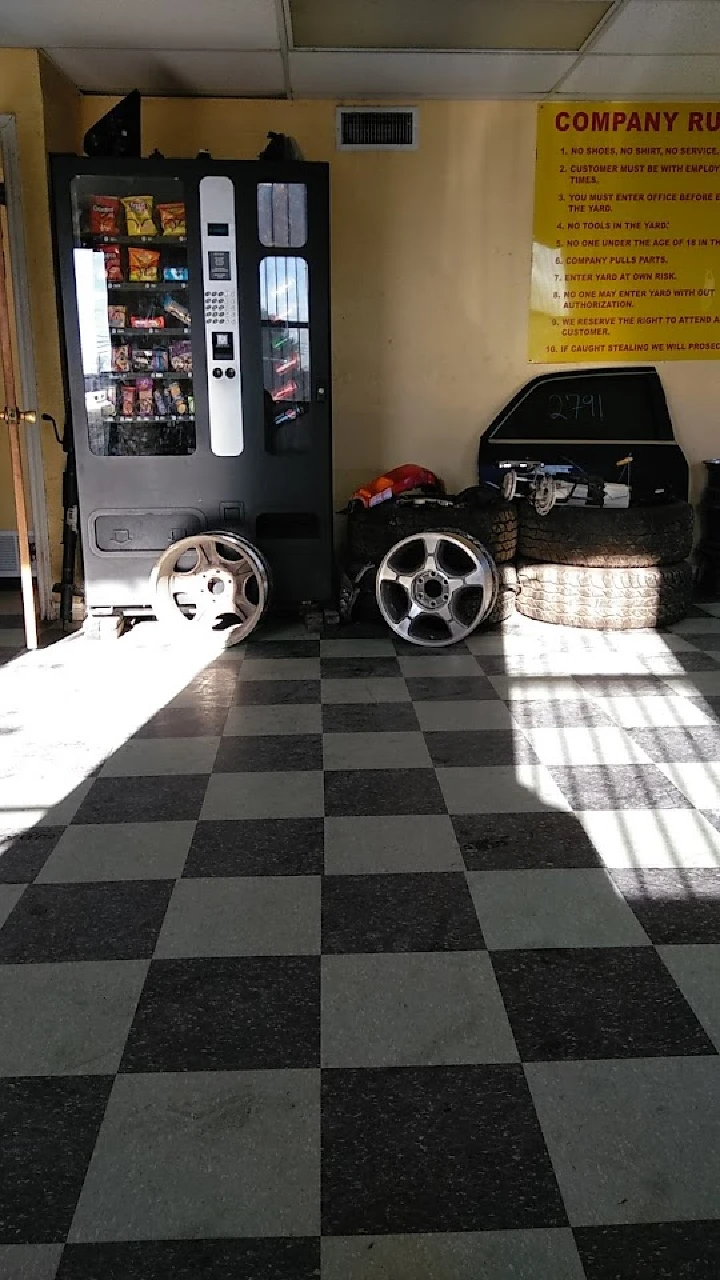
(195, 307)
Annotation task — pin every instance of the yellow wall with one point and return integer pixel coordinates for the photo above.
(20, 95)
(430, 257)
(45, 107)
(431, 276)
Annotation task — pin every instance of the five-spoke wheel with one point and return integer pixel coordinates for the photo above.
(434, 588)
(212, 582)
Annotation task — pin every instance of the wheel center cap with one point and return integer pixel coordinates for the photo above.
(431, 590)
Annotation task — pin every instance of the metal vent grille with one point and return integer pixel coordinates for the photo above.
(377, 128)
(10, 556)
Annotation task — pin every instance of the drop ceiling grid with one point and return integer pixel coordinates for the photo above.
(679, 40)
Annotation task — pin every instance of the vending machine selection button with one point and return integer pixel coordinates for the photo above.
(229, 373)
(217, 373)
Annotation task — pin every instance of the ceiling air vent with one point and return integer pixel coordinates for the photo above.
(376, 128)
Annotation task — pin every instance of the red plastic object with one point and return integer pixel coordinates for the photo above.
(400, 480)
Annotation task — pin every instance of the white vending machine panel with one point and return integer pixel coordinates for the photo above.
(222, 330)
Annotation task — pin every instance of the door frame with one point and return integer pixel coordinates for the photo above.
(27, 383)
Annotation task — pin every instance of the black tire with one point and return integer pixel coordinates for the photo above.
(372, 531)
(607, 537)
(506, 603)
(605, 599)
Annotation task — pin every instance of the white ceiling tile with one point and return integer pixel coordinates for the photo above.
(457, 25)
(182, 73)
(139, 24)
(425, 75)
(617, 76)
(663, 26)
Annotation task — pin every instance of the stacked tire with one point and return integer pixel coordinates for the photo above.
(606, 568)
(372, 531)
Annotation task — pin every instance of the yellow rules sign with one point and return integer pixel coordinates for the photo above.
(626, 240)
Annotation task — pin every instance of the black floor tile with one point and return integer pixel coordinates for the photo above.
(359, 629)
(685, 744)
(674, 906)
(619, 686)
(551, 713)
(651, 1251)
(57, 922)
(267, 752)
(596, 1003)
(26, 853)
(229, 1014)
(709, 703)
(354, 717)
(434, 1149)
(428, 911)
(484, 747)
(49, 1128)
(152, 799)
(216, 684)
(350, 792)
(704, 639)
(692, 660)
(519, 841)
(291, 648)
(358, 668)
(449, 688)
(492, 664)
(636, 786)
(266, 1259)
(257, 847)
(205, 720)
(405, 649)
(698, 610)
(277, 692)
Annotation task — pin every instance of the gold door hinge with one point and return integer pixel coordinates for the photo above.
(13, 417)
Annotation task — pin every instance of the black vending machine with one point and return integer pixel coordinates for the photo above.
(195, 306)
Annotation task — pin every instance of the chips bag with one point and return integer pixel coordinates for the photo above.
(147, 322)
(117, 317)
(179, 403)
(113, 263)
(127, 403)
(145, 397)
(176, 309)
(138, 215)
(172, 219)
(181, 357)
(142, 359)
(162, 402)
(143, 264)
(104, 215)
(120, 361)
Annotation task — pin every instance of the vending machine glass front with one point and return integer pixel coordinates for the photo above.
(132, 289)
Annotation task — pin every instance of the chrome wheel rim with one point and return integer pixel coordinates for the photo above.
(211, 582)
(545, 494)
(434, 588)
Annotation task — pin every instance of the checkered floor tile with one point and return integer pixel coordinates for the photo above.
(330, 957)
